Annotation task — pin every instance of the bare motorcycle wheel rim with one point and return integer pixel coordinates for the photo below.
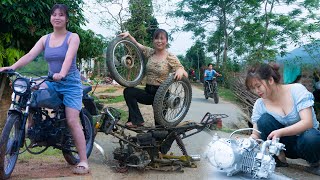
(127, 61)
(175, 104)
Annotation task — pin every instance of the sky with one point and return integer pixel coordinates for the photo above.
(181, 42)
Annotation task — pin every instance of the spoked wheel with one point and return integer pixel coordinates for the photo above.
(71, 156)
(172, 101)
(9, 145)
(125, 62)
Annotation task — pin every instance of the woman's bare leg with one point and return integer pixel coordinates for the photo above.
(72, 116)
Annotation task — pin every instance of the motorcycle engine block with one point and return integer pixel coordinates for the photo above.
(132, 158)
(49, 130)
(244, 155)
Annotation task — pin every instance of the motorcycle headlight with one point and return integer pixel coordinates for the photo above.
(20, 86)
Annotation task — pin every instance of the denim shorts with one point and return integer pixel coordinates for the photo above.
(70, 89)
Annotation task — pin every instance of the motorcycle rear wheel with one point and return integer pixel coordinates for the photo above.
(216, 98)
(9, 145)
(86, 123)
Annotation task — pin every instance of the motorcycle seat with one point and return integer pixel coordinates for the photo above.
(86, 89)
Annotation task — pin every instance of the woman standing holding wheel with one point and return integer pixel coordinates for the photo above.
(160, 64)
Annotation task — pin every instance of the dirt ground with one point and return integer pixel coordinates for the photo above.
(56, 167)
(52, 167)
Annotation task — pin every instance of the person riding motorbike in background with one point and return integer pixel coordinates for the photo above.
(209, 74)
(192, 75)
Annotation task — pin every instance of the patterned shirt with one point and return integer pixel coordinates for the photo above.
(302, 99)
(157, 70)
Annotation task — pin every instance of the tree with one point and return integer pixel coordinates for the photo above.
(249, 29)
(202, 16)
(135, 16)
(142, 23)
(112, 13)
(195, 56)
(268, 34)
(215, 44)
(23, 22)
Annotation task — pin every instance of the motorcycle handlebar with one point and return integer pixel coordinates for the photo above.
(12, 72)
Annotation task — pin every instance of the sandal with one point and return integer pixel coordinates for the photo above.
(81, 169)
(130, 125)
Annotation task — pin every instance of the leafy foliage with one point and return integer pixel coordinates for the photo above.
(249, 30)
(25, 21)
(8, 55)
(142, 23)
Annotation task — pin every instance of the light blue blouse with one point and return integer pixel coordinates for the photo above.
(302, 99)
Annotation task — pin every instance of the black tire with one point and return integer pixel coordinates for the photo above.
(215, 93)
(168, 101)
(126, 74)
(9, 145)
(206, 90)
(216, 97)
(72, 157)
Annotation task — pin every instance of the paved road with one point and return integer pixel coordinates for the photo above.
(102, 166)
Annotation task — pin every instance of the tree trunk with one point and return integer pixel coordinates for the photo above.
(5, 99)
(226, 36)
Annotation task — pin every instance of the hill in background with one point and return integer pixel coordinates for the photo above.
(308, 54)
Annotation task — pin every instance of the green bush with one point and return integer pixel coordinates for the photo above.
(38, 67)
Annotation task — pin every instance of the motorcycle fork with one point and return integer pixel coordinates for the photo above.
(23, 128)
(19, 143)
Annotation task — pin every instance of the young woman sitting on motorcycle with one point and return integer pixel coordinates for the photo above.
(60, 50)
(209, 74)
(160, 64)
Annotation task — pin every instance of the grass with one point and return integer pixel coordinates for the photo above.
(227, 94)
(124, 115)
(109, 90)
(50, 152)
(110, 100)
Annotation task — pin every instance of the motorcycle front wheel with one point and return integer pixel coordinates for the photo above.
(71, 156)
(9, 145)
(206, 92)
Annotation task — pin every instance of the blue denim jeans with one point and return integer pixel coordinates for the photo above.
(305, 145)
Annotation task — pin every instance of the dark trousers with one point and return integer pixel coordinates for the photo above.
(133, 96)
(305, 146)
